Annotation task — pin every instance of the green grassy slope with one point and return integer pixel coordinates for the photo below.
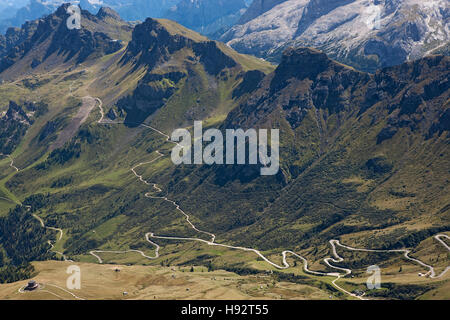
(337, 179)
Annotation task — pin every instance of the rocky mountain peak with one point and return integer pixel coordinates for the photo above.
(15, 112)
(304, 61)
(106, 12)
(170, 52)
(152, 42)
(300, 63)
(155, 40)
(51, 35)
(62, 10)
(305, 79)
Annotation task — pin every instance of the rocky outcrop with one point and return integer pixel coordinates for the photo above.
(250, 82)
(213, 58)
(153, 43)
(305, 79)
(13, 126)
(35, 9)
(156, 44)
(150, 95)
(16, 43)
(257, 8)
(106, 12)
(316, 9)
(50, 35)
(77, 42)
(413, 95)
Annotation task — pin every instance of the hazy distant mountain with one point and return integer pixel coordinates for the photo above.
(32, 10)
(9, 8)
(367, 34)
(205, 16)
(132, 9)
(26, 10)
(257, 8)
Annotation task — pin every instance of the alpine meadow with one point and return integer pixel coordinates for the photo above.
(224, 150)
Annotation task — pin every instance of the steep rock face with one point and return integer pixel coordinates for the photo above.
(15, 36)
(257, 8)
(50, 35)
(268, 31)
(249, 84)
(150, 95)
(153, 43)
(14, 42)
(172, 56)
(316, 9)
(214, 59)
(305, 79)
(415, 96)
(365, 34)
(82, 42)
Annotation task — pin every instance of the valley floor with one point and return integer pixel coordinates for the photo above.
(122, 282)
(149, 282)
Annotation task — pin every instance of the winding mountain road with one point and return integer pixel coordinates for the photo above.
(431, 273)
(438, 238)
(150, 235)
(61, 233)
(285, 264)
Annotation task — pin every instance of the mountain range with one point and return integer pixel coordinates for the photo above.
(366, 34)
(86, 115)
(205, 16)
